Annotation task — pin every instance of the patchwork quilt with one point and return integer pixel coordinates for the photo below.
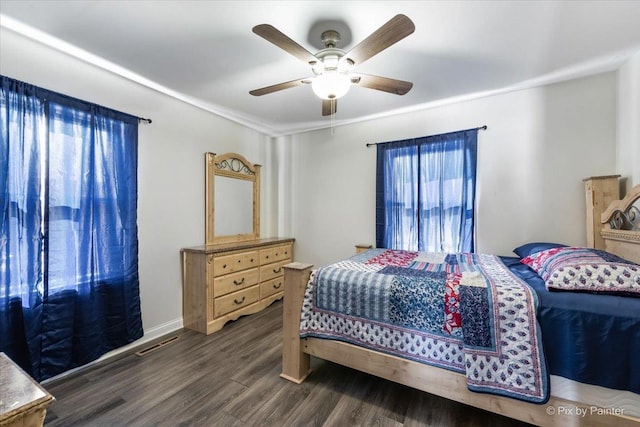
(463, 312)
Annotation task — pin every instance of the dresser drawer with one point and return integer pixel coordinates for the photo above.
(236, 300)
(277, 253)
(272, 271)
(223, 285)
(236, 262)
(271, 287)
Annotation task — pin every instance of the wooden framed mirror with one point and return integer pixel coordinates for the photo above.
(232, 199)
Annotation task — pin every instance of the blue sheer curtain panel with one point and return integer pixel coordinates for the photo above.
(68, 244)
(425, 193)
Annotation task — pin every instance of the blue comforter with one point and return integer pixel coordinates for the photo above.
(590, 338)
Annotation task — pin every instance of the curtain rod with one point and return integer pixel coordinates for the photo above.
(47, 94)
(369, 144)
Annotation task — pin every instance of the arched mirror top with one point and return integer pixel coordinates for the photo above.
(232, 199)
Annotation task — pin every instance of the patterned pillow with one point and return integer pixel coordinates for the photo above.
(584, 269)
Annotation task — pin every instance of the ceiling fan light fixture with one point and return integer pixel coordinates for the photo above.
(331, 85)
(333, 67)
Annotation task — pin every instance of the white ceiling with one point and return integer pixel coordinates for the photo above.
(204, 52)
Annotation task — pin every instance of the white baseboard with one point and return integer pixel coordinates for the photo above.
(149, 335)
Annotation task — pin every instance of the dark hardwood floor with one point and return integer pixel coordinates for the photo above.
(231, 378)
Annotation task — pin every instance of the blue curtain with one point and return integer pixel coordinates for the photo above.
(69, 289)
(425, 193)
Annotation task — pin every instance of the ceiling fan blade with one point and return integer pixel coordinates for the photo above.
(329, 106)
(279, 86)
(275, 36)
(385, 84)
(397, 28)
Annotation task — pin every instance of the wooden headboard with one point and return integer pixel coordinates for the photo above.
(621, 226)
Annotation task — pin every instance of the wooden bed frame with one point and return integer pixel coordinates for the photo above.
(617, 240)
(451, 385)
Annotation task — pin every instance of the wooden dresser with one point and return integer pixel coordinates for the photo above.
(225, 281)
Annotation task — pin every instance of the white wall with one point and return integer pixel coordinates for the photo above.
(628, 152)
(539, 145)
(170, 166)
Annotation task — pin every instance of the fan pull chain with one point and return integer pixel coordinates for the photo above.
(333, 116)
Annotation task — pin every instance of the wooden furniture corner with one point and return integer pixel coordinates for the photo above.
(361, 247)
(23, 402)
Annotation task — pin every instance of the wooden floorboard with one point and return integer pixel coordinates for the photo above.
(231, 378)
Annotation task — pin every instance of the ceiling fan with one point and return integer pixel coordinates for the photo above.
(333, 68)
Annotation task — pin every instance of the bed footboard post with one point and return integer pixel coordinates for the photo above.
(295, 363)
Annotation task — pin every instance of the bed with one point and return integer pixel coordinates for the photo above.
(562, 314)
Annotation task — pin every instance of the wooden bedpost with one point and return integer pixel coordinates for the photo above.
(600, 192)
(295, 363)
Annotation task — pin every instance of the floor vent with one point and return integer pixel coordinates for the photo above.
(157, 346)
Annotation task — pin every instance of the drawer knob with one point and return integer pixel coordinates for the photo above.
(251, 260)
(238, 302)
(267, 257)
(224, 265)
(278, 270)
(235, 282)
(277, 286)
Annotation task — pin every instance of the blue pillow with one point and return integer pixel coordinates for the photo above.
(534, 247)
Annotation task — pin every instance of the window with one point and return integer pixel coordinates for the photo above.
(69, 288)
(425, 193)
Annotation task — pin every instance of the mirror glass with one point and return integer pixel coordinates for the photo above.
(233, 201)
